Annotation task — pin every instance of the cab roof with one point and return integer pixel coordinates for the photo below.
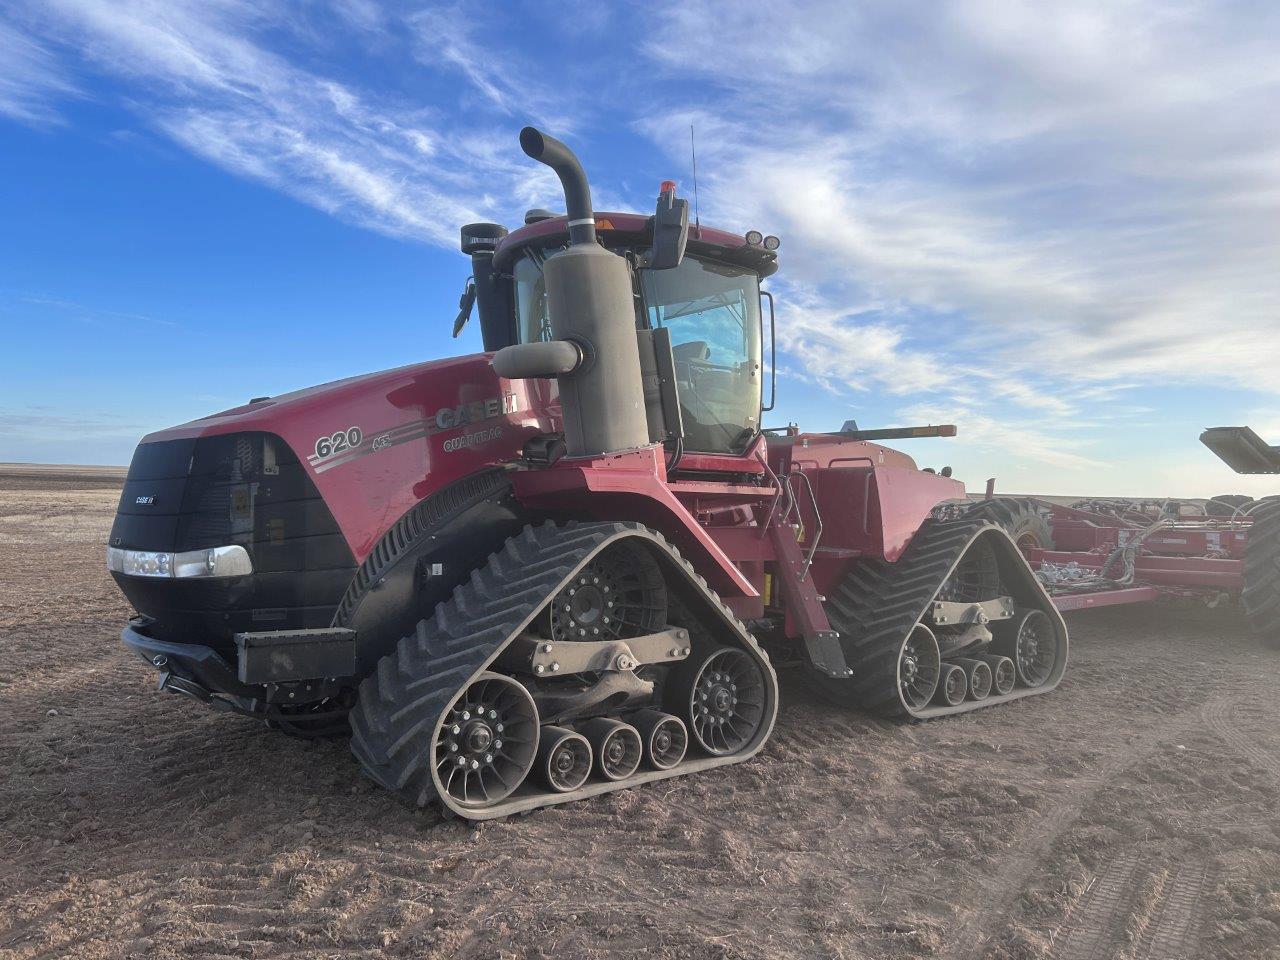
(634, 229)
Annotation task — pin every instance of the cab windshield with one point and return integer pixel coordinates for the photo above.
(712, 313)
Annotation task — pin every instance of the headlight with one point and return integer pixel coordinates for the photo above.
(211, 562)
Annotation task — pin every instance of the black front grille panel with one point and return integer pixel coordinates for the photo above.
(247, 489)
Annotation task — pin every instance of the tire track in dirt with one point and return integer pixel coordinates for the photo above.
(1174, 932)
(1094, 930)
(1220, 719)
(995, 896)
(1130, 912)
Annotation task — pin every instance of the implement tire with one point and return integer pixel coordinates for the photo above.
(1261, 594)
(1226, 504)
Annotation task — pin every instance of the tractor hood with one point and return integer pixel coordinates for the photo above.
(377, 444)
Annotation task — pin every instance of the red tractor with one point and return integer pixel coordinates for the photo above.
(568, 564)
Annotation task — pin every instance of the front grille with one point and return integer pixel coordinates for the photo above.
(247, 489)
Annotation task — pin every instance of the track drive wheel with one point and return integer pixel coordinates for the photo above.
(722, 698)
(1261, 594)
(619, 594)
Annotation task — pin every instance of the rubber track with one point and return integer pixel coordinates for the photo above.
(1261, 593)
(879, 603)
(400, 704)
(1016, 515)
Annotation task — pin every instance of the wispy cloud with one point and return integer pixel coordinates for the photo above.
(206, 74)
(31, 79)
(91, 314)
(1087, 185)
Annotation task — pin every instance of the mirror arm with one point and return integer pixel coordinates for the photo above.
(465, 303)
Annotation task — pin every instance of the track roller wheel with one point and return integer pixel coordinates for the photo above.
(487, 742)
(564, 758)
(979, 675)
(1034, 647)
(953, 686)
(617, 747)
(723, 700)
(1004, 675)
(665, 738)
(919, 667)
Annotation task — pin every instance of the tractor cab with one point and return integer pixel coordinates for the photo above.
(705, 300)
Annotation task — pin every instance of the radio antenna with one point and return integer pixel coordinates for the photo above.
(693, 151)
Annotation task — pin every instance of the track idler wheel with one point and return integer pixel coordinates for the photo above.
(1004, 675)
(564, 758)
(979, 676)
(919, 667)
(1034, 646)
(723, 699)
(953, 686)
(665, 738)
(617, 747)
(487, 742)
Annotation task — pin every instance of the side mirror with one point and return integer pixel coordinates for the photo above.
(670, 230)
(465, 303)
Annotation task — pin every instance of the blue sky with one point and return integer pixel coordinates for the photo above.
(1053, 224)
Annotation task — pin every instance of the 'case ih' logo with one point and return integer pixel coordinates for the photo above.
(145, 501)
(335, 449)
(447, 418)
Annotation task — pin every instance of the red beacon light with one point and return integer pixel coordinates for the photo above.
(668, 186)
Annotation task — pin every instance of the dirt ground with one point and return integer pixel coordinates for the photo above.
(1131, 814)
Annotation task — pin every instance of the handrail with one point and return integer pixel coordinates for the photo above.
(777, 485)
(817, 520)
(773, 355)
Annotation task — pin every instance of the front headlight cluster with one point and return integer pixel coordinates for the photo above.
(210, 562)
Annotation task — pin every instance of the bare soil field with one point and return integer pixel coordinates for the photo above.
(1132, 814)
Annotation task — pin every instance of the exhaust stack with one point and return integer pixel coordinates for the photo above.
(595, 357)
(573, 180)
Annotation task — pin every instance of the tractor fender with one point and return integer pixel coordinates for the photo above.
(423, 556)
